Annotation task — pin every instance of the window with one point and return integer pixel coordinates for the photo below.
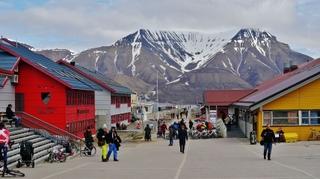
(280, 118)
(311, 117)
(285, 118)
(305, 118)
(45, 97)
(266, 118)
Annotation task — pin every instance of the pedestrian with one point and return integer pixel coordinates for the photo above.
(190, 124)
(147, 133)
(268, 138)
(183, 136)
(171, 135)
(114, 144)
(103, 141)
(4, 145)
(12, 117)
(88, 139)
(163, 130)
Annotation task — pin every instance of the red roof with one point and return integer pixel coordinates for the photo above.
(284, 76)
(224, 97)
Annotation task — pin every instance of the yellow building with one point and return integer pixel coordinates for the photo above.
(290, 101)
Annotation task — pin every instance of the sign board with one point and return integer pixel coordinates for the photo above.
(213, 116)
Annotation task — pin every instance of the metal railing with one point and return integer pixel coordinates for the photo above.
(49, 131)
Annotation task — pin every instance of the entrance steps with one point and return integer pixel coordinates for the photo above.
(41, 145)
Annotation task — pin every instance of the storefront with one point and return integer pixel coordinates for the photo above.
(290, 101)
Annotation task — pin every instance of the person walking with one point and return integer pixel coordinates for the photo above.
(171, 135)
(268, 138)
(183, 136)
(190, 124)
(4, 144)
(103, 141)
(88, 139)
(114, 144)
(147, 133)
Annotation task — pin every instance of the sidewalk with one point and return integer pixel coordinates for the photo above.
(230, 158)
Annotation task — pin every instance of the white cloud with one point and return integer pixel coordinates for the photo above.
(80, 24)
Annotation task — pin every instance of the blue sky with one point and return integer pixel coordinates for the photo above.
(83, 24)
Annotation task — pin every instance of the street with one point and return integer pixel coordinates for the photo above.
(230, 158)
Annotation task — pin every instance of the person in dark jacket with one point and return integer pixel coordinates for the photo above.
(11, 116)
(171, 135)
(103, 141)
(147, 133)
(183, 136)
(88, 139)
(114, 144)
(268, 138)
(190, 124)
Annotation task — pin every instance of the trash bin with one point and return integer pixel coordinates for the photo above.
(253, 139)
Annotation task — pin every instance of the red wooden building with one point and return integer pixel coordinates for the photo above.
(51, 92)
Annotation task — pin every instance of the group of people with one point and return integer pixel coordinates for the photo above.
(109, 139)
(176, 130)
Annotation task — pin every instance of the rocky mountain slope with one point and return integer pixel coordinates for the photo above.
(188, 62)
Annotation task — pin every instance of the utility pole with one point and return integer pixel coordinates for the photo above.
(157, 96)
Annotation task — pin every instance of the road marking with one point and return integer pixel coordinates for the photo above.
(296, 169)
(65, 171)
(281, 164)
(183, 162)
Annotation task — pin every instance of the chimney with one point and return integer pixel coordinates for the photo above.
(286, 68)
(73, 63)
(293, 66)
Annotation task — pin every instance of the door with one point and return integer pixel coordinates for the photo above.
(19, 102)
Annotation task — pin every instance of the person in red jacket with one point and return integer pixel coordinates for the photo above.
(4, 144)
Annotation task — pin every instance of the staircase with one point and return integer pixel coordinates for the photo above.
(41, 145)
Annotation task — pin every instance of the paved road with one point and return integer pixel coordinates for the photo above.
(217, 158)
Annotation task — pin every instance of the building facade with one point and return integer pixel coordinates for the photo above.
(113, 103)
(51, 92)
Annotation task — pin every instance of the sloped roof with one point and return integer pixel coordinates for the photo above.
(7, 61)
(307, 71)
(2, 80)
(224, 97)
(118, 88)
(98, 78)
(59, 72)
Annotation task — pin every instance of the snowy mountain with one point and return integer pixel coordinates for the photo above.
(189, 62)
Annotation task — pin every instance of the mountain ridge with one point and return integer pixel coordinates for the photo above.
(190, 62)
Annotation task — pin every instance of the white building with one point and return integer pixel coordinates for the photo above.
(8, 77)
(113, 104)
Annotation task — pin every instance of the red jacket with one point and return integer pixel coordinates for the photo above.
(4, 136)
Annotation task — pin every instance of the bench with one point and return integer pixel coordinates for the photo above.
(291, 137)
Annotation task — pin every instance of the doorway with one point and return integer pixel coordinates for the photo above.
(19, 100)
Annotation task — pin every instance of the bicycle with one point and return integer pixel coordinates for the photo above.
(88, 152)
(57, 155)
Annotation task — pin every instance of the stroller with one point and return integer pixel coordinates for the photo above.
(26, 153)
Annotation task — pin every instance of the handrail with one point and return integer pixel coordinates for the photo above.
(35, 122)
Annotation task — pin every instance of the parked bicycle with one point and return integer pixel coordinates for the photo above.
(57, 155)
(88, 151)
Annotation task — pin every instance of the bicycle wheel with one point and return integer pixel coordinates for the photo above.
(63, 158)
(93, 151)
(83, 153)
